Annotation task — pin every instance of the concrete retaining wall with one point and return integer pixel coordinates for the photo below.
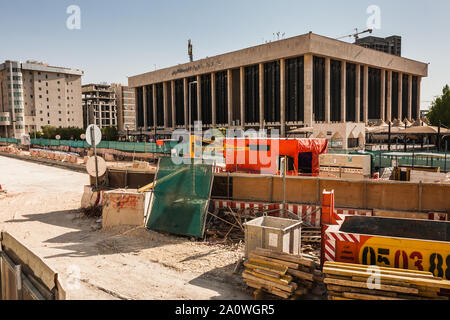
(364, 194)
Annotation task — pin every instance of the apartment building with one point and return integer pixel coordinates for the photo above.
(392, 45)
(99, 105)
(126, 107)
(35, 94)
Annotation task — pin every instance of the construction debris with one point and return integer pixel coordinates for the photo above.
(92, 211)
(283, 275)
(358, 282)
(312, 236)
(226, 226)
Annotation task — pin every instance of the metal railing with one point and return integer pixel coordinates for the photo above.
(139, 147)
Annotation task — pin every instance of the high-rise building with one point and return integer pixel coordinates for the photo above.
(392, 45)
(99, 105)
(34, 95)
(126, 107)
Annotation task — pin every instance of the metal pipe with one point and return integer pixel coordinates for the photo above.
(190, 105)
(95, 155)
(445, 157)
(439, 137)
(389, 137)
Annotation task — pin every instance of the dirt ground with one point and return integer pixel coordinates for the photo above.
(41, 209)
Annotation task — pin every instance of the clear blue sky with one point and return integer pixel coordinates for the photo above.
(124, 38)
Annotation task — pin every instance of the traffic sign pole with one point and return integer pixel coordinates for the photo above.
(95, 155)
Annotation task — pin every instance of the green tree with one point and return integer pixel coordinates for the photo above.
(69, 133)
(36, 134)
(440, 109)
(49, 132)
(110, 134)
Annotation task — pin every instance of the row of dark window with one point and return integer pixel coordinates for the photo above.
(294, 94)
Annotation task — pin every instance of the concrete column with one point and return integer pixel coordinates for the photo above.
(166, 106)
(343, 90)
(327, 90)
(186, 102)
(389, 96)
(242, 75)
(154, 106)
(88, 112)
(409, 97)
(230, 96)
(282, 97)
(174, 119)
(366, 95)
(144, 106)
(400, 96)
(100, 115)
(383, 95)
(199, 98)
(213, 99)
(419, 85)
(261, 95)
(358, 94)
(308, 89)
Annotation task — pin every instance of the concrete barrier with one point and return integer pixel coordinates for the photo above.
(123, 207)
(24, 275)
(362, 194)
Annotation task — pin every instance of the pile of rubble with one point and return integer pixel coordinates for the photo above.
(227, 226)
(55, 155)
(10, 149)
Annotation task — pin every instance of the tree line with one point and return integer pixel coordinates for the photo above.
(72, 133)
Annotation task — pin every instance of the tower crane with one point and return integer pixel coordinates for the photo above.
(356, 34)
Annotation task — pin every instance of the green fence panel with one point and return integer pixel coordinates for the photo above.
(113, 145)
(180, 198)
(103, 145)
(138, 147)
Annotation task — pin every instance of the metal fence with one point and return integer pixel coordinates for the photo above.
(140, 147)
(379, 159)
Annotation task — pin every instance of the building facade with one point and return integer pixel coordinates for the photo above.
(392, 45)
(126, 107)
(34, 95)
(304, 81)
(99, 105)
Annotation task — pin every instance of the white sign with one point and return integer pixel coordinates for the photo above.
(97, 134)
(101, 165)
(273, 240)
(25, 140)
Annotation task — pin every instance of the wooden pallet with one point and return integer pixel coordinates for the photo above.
(283, 275)
(352, 281)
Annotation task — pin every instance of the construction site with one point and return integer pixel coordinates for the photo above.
(299, 169)
(306, 224)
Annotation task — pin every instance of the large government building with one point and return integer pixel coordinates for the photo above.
(334, 88)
